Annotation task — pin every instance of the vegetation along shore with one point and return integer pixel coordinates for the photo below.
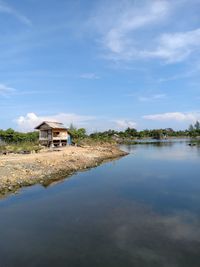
(24, 162)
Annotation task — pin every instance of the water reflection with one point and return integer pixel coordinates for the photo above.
(149, 238)
(168, 150)
(143, 210)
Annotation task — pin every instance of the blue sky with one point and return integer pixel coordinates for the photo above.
(100, 64)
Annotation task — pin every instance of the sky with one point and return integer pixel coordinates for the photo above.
(100, 64)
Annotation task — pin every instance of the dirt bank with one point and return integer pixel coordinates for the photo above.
(23, 170)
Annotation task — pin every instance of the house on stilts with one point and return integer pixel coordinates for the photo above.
(53, 134)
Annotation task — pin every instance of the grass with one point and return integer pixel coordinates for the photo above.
(19, 147)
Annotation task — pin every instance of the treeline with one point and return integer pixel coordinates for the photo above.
(194, 129)
(128, 134)
(131, 133)
(12, 136)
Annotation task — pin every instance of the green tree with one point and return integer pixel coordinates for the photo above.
(130, 132)
(197, 125)
(77, 133)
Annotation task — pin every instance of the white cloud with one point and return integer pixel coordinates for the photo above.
(89, 76)
(5, 90)
(130, 30)
(174, 116)
(123, 124)
(152, 98)
(118, 38)
(4, 8)
(118, 22)
(174, 47)
(31, 120)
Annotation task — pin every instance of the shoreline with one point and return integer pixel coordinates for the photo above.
(17, 171)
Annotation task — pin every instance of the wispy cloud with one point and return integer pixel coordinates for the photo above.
(6, 90)
(126, 35)
(5, 8)
(118, 24)
(31, 120)
(174, 116)
(89, 76)
(181, 76)
(152, 97)
(123, 123)
(175, 47)
(192, 70)
(119, 39)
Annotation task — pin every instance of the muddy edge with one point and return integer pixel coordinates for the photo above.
(17, 171)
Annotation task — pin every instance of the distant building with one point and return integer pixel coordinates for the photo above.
(53, 134)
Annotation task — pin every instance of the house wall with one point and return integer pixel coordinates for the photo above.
(60, 134)
(45, 135)
(53, 137)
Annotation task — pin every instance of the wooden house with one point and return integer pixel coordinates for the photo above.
(53, 134)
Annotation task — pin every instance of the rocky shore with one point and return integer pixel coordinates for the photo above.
(45, 167)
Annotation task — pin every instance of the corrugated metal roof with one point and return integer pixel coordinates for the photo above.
(52, 124)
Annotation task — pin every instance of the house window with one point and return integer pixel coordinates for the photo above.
(56, 134)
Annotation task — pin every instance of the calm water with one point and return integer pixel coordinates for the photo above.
(142, 210)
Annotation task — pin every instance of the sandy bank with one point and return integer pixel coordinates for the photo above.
(22, 170)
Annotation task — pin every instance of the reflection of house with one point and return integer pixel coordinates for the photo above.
(53, 134)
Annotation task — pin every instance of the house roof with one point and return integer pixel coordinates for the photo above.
(52, 124)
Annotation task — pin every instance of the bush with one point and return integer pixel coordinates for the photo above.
(11, 136)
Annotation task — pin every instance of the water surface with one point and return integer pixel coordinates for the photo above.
(142, 210)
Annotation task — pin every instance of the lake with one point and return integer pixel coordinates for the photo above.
(142, 210)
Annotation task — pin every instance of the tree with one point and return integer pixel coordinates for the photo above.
(72, 127)
(157, 134)
(130, 132)
(197, 125)
(191, 128)
(77, 133)
(11, 136)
